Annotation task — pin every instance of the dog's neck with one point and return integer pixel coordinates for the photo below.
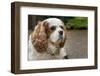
(53, 49)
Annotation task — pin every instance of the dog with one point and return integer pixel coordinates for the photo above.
(47, 40)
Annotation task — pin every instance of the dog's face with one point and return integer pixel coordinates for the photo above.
(56, 30)
(52, 31)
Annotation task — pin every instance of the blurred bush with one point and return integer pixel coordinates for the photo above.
(77, 23)
(70, 22)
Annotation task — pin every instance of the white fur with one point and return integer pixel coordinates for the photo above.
(55, 22)
(51, 49)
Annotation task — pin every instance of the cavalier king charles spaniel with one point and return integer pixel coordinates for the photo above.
(47, 40)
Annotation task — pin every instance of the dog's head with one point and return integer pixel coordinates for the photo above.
(52, 31)
(57, 31)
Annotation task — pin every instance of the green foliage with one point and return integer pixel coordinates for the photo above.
(77, 23)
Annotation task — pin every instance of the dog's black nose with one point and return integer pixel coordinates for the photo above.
(61, 32)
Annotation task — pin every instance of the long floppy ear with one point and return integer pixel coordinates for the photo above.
(39, 37)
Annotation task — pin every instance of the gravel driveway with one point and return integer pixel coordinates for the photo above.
(76, 45)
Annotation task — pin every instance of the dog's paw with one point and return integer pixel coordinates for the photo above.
(66, 57)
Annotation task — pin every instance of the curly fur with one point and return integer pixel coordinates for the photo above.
(39, 37)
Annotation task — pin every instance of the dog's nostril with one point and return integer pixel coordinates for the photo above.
(61, 32)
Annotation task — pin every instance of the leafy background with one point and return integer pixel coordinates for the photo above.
(70, 22)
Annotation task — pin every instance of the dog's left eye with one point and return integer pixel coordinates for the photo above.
(53, 28)
(62, 27)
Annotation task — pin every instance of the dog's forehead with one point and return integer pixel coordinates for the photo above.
(54, 22)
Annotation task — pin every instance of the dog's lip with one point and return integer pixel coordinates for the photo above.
(52, 54)
(60, 37)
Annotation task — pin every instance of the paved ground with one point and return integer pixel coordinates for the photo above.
(76, 44)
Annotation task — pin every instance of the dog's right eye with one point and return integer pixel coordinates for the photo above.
(53, 28)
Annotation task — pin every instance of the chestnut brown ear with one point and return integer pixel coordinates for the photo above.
(45, 26)
(39, 37)
(47, 30)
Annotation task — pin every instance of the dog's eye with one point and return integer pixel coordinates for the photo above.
(53, 28)
(62, 27)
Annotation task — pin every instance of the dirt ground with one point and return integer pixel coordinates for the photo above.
(76, 44)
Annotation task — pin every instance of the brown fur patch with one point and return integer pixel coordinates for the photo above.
(39, 37)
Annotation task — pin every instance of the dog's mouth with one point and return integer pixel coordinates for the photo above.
(60, 37)
(61, 41)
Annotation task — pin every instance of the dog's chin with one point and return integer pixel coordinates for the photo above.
(60, 42)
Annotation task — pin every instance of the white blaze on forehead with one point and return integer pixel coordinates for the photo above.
(54, 22)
